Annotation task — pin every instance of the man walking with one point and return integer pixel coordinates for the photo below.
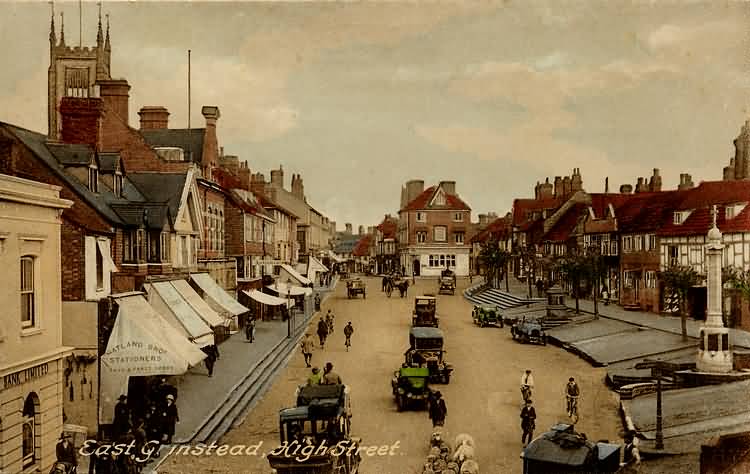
(169, 419)
(527, 383)
(348, 331)
(322, 332)
(307, 346)
(250, 328)
(65, 451)
(329, 376)
(210, 359)
(330, 320)
(317, 302)
(528, 417)
(121, 421)
(438, 410)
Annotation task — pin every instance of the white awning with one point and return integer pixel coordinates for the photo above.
(295, 274)
(200, 306)
(166, 300)
(269, 300)
(315, 265)
(217, 293)
(141, 343)
(283, 289)
(335, 257)
(106, 254)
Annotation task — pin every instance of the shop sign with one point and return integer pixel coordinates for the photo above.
(25, 375)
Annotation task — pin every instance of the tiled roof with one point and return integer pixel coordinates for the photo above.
(37, 143)
(646, 212)
(388, 227)
(452, 201)
(521, 207)
(701, 199)
(72, 154)
(226, 179)
(189, 139)
(601, 201)
(709, 193)
(560, 232)
(362, 247)
(498, 228)
(108, 162)
(163, 189)
(269, 204)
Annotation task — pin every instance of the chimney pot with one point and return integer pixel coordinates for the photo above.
(154, 117)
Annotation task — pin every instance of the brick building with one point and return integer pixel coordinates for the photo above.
(386, 245)
(434, 229)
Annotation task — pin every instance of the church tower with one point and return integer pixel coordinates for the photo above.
(73, 71)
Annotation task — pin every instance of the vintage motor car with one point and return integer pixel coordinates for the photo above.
(487, 315)
(563, 450)
(411, 387)
(529, 330)
(425, 311)
(447, 283)
(320, 419)
(356, 287)
(426, 350)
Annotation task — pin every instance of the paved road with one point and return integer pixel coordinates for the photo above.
(483, 397)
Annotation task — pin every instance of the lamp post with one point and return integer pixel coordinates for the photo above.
(289, 317)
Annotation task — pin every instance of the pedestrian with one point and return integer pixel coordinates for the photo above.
(348, 331)
(330, 320)
(152, 424)
(385, 282)
(527, 384)
(438, 410)
(631, 454)
(140, 435)
(210, 359)
(169, 419)
(65, 450)
(314, 378)
(528, 417)
(539, 287)
(571, 397)
(307, 345)
(121, 420)
(250, 328)
(605, 295)
(322, 332)
(329, 376)
(317, 302)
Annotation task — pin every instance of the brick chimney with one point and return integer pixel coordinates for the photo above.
(576, 182)
(154, 117)
(277, 177)
(414, 188)
(245, 176)
(258, 183)
(626, 189)
(558, 186)
(361, 230)
(640, 185)
(654, 184)
(82, 120)
(348, 226)
(116, 94)
(686, 182)
(210, 141)
(230, 163)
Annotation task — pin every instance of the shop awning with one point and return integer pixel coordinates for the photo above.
(106, 254)
(166, 300)
(142, 343)
(283, 289)
(335, 257)
(315, 265)
(295, 274)
(269, 300)
(200, 306)
(217, 293)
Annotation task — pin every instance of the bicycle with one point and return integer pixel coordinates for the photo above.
(348, 343)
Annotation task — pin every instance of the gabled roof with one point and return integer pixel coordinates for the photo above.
(646, 212)
(189, 139)
(600, 203)
(248, 202)
(108, 162)
(452, 201)
(160, 195)
(362, 247)
(564, 227)
(521, 207)
(37, 143)
(226, 179)
(388, 227)
(497, 229)
(72, 154)
(267, 203)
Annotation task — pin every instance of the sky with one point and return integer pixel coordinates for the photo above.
(361, 97)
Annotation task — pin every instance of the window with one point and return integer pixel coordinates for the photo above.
(451, 260)
(28, 309)
(421, 237)
(459, 238)
(164, 246)
(650, 279)
(673, 255)
(421, 217)
(127, 246)
(140, 242)
(99, 268)
(651, 241)
(627, 278)
(627, 243)
(118, 184)
(184, 250)
(638, 242)
(93, 178)
(439, 233)
(28, 430)
(458, 217)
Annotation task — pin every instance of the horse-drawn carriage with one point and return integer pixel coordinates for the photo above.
(397, 282)
(321, 421)
(447, 283)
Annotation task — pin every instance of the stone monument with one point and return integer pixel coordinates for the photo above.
(714, 352)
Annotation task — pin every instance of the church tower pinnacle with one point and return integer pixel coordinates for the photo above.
(99, 35)
(62, 28)
(52, 36)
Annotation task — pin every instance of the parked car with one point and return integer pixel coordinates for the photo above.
(487, 315)
(563, 450)
(529, 330)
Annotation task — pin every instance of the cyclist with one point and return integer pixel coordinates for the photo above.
(571, 397)
(348, 331)
(527, 383)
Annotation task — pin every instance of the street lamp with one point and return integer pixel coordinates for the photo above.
(289, 316)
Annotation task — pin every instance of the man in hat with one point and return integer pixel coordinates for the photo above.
(322, 332)
(307, 344)
(438, 410)
(65, 450)
(169, 419)
(348, 331)
(528, 417)
(329, 376)
(121, 421)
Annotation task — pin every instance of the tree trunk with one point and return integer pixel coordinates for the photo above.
(596, 301)
(683, 318)
(507, 271)
(575, 292)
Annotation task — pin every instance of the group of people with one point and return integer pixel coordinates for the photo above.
(329, 377)
(325, 327)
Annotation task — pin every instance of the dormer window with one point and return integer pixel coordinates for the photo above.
(733, 210)
(118, 184)
(440, 199)
(93, 178)
(681, 216)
